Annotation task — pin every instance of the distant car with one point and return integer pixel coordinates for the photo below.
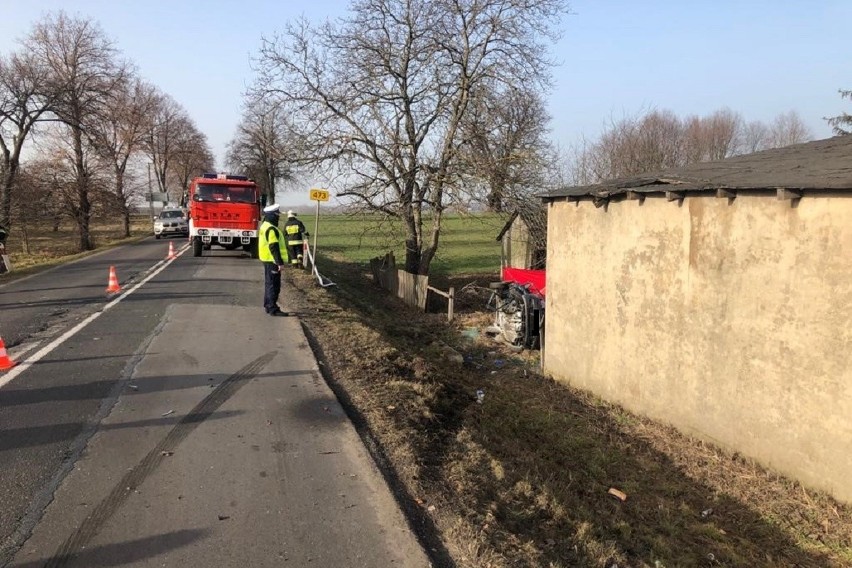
(171, 222)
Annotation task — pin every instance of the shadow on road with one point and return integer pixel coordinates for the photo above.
(123, 553)
(15, 438)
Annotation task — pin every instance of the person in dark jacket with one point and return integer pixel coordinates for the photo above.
(272, 252)
(295, 231)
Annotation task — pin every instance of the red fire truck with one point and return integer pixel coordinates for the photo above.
(224, 210)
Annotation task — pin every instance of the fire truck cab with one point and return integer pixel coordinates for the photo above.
(224, 210)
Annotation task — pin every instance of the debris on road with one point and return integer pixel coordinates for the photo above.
(620, 495)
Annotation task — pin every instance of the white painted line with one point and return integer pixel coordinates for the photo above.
(41, 353)
(22, 350)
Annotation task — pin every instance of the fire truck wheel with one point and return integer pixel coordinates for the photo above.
(196, 247)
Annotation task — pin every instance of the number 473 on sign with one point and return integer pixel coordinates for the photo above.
(319, 195)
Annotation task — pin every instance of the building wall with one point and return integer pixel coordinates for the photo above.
(517, 248)
(731, 321)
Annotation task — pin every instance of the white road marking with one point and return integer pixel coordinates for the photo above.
(41, 353)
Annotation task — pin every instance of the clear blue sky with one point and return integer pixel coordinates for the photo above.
(757, 57)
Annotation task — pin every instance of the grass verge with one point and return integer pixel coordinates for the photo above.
(523, 478)
(40, 246)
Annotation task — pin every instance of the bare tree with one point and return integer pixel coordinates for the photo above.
(119, 134)
(169, 126)
(577, 163)
(85, 71)
(504, 135)
(381, 95)
(755, 137)
(722, 130)
(191, 158)
(634, 145)
(49, 194)
(263, 147)
(56, 166)
(842, 123)
(24, 100)
(659, 140)
(712, 137)
(788, 128)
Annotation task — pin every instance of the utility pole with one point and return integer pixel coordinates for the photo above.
(150, 193)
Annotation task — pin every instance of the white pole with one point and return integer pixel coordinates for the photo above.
(316, 230)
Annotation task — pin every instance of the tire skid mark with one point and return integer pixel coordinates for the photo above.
(134, 478)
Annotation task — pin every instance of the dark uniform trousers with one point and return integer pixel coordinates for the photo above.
(272, 286)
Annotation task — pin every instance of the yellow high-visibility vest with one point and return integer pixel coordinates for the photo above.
(294, 234)
(269, 233)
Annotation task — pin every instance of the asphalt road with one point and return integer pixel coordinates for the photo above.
(175, 423)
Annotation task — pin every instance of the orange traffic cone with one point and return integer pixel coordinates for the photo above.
(5, 362)
(113, 281)
(171, 254)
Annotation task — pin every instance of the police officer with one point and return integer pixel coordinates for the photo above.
(296, 233)
(272, 251)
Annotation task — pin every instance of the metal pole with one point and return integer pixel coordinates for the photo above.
(316, 230)
(150, 193)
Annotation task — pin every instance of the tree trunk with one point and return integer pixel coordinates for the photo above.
(121, 202)
(412, 256)
(83, 204)
(8, 178)
(413, 242)
(494, 201)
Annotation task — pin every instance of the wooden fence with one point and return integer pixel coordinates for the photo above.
(413, 289)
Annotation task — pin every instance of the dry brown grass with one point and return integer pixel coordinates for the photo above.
(522, 479)
(38, 246)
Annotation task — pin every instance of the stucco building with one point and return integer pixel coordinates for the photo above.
(717, 298)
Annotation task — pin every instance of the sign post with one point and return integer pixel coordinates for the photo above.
(317, 195)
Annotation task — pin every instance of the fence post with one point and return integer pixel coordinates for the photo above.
(450, 298)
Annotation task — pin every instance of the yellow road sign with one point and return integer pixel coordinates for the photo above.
(319, 195)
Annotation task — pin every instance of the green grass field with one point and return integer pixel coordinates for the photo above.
(467, 244)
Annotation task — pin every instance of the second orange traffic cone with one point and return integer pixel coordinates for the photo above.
(171, 254)
(5, 362)
(113, 286)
